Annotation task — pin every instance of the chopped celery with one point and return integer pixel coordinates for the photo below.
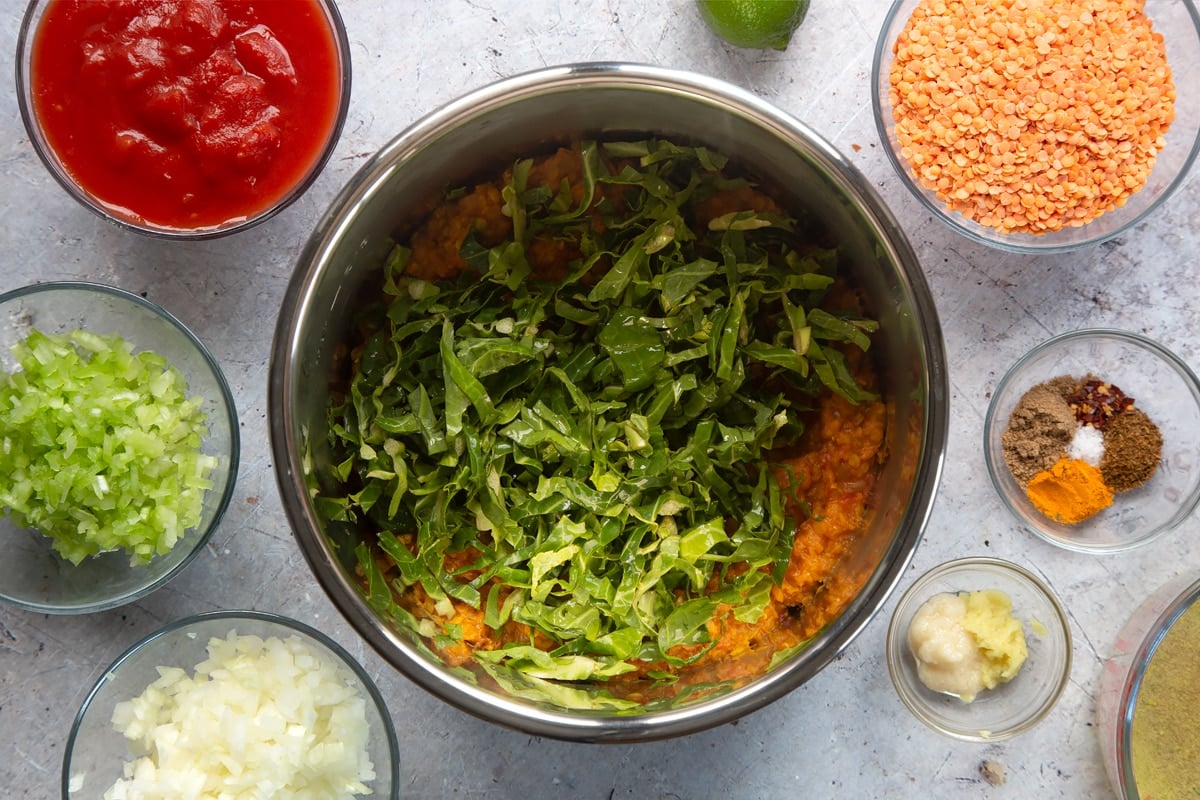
(100, 447)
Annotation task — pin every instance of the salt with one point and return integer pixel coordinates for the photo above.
(1087, 445)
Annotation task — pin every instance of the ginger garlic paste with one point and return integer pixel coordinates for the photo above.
(967, 642)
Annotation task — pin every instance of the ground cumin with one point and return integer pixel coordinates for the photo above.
(1070, 491)
(1132, 449)
(1031, 115)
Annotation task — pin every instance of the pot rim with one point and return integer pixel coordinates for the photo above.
(595, 727)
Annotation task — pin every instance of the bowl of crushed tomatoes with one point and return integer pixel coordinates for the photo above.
(608, 403)
(183, 120)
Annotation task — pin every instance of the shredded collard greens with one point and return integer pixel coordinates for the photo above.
(601, 445)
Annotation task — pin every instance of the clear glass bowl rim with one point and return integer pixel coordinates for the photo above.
(226, 402)
(359, 671)
(1137, 674)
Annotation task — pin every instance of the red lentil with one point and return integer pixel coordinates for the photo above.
(1029, 116)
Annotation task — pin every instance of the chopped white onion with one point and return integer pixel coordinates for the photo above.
(260, 719)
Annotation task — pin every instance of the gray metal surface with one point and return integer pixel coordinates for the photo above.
(842, 734)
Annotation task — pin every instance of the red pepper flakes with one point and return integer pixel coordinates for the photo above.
(1096, 402)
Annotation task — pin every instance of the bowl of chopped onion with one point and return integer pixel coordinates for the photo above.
(120, 448)
(1043, 132)
(557, 386)
(233, 704)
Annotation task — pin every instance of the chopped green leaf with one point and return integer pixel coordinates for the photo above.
(100, 447)
(601, 444)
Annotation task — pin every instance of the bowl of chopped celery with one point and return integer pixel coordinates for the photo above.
(555, 391)
(233, 704)
(120, 447)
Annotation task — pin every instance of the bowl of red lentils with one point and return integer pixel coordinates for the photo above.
(1092, 440)
(1040, 125)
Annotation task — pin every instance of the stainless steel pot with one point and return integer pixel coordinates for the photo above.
(521, 116)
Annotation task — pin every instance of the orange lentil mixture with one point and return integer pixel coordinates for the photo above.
(834, 472)
(1030, 116)
(830, 477)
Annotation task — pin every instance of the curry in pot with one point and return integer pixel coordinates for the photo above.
(608, 429)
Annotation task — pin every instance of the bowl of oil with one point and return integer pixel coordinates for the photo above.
(1149, 694)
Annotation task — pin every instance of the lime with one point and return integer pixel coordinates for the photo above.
(757, 24)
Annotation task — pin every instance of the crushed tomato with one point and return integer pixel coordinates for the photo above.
(186, 114)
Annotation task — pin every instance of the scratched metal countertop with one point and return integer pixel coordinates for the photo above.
(844, 733)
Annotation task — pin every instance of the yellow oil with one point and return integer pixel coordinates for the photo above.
(1165, 739)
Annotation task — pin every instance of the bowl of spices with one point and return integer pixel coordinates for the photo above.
(1149, 692)
(1041, 126)
(979, 649)
(1092, 440)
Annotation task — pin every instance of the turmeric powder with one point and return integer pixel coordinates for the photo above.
(1070, 491)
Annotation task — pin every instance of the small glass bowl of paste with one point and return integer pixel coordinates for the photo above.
(1092, 440)
(979, 649)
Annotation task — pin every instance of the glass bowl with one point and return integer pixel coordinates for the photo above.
(1178, 23)
(1132, 685)
(1010, 708)
(148, 156)
(32, 575)
(1162, 386)
(96, 752)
